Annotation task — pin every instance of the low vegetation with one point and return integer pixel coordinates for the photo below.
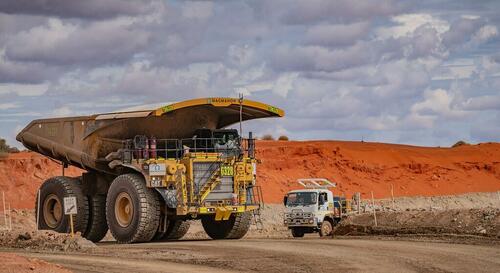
(5, 148)
(283, 138)
(460, 143)
(267, 137)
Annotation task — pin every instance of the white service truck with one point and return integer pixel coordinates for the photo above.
(314, 208)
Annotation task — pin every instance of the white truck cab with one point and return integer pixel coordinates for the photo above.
(313, 209)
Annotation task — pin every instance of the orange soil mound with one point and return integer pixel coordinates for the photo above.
(365, 167)
(354, 166)
(22, 173)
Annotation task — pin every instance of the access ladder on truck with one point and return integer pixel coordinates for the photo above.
(256, 198)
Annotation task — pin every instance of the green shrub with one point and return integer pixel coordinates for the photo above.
(283, 138)
(267, 137)
(460, 143)
(6, 148)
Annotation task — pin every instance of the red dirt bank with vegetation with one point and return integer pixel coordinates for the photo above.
(354, 166)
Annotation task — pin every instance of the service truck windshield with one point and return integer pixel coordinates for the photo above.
(301, 199)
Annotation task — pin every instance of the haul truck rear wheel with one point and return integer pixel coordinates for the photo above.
(52, 193)
(97, 227)
(176, 229)
(132, 209)
(234, 228)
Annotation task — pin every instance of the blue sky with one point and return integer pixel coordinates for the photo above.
(413, 72)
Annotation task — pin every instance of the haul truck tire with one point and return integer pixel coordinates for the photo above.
(97, 227)
(51, 213)
(234, 228)
(132, 209)
(176, 229)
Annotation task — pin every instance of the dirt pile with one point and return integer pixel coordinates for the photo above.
(22, 173)
(43, 240)
(483, 222)
(12, 263)
(365, 167)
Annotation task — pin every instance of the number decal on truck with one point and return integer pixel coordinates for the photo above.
(226, 170)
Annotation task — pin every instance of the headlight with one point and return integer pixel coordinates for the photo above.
(311, 221)
(286, 222)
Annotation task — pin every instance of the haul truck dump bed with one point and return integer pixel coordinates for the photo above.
(150, 171)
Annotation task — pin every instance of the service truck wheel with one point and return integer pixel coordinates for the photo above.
(176, 229)
(51, 213)
(97, 227)
(234, 228)
(132, 209)
(297, 232)
(326, 229)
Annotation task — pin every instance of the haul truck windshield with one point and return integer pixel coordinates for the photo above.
(149, 172)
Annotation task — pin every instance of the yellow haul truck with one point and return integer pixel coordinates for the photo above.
(149, 172)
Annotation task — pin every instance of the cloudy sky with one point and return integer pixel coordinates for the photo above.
(414, 72)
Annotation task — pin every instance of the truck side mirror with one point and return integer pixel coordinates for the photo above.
(285, 198)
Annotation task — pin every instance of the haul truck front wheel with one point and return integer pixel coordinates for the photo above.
(51, 213)
(234, 228)
(132, 209)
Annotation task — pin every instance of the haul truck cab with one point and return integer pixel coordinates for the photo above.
(149, 172)
(314, 208)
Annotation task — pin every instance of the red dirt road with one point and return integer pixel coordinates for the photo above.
(12, 263)
(355, 166)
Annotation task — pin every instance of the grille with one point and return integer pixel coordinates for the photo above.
(202, 171)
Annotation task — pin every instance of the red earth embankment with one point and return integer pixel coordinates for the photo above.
(354, 166)
(365, 167)
(22, 173)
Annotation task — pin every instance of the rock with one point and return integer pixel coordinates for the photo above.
(24, 236)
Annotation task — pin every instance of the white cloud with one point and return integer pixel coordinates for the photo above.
(438, 103)
(63, 111)
(408, 23)
(485, 33)
(202, 10)
(9, 105)
(23, 89)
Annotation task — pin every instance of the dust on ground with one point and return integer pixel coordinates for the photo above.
(12, 263)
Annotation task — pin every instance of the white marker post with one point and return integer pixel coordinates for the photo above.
(392, 197)
(4, 211)
(374, 213)
(10, 218)
(38, 211)
(70, 209)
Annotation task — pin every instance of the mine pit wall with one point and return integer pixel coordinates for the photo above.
(355, 166)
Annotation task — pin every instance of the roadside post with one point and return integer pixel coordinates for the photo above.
(38, 211)
(392, 197)
(70, 209)
(374, 213)
(4, 210)
(10, 218)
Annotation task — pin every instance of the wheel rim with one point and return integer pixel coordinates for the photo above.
(52, 211)
(326, 228)
(124, 209)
